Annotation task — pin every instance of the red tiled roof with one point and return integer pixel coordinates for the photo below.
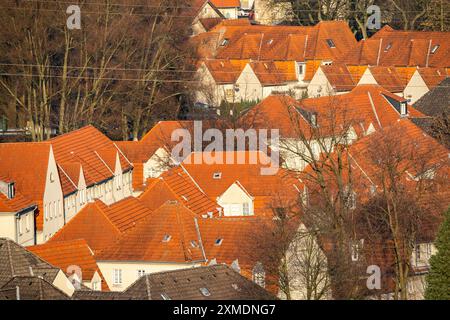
(388, 78)
(433, 76)
(15, 204)
(225, 71)
(274, 73)
(63, 254)
(226, 3)
(145, 241)
(341, 77)
(92, 149)
(390, 47)
(100, 224)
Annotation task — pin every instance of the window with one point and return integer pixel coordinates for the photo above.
(403, 108)
(20, 222)
(217, 175)
(300, 68)
(167, 238)
(245, 209)
(224, 42)
(259, 275)
(356, 248)
(60, 209)
(165, 296)
(330, 43)
(140, 273)
(95, 286)
(205, 292)
(28, 218)
(218, 241)
(46, 211)
(435, 48)
(389, 46)
(117, 276)
(235, 209)
(194, 244)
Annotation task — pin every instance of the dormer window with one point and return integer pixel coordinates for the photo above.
(217, 175)
(165, 296)
(403, 108)
(167, 238)
(330, 43)
(389, 46)
(218, 241)
(435, 48)
(224, 42)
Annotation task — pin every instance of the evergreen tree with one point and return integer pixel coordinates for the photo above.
(438, 280)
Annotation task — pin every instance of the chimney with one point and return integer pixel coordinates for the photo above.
(17, 293)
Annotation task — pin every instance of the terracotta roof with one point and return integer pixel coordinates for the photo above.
(63, 254)
(92, 149)
(390, 47)
(226, 3)
(220, 281)
(352, 108)
(389, 78)
(100, 295)
(311, 68)
(147, 242)
(100, 224)
(295, 43)
(209, 23)
(16, 204)
(225, 71)
(341, 77)
(433, 76)
(274, 73)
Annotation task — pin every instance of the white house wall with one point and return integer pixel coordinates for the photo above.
(415, 88)
(233, 198)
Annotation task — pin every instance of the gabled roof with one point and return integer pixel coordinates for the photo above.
(390, 47)
(165, 236)
(30, 288)
(220, 282)
(341, 77)
(16, 160)
(100, 224)
(332, 112)
(15, 260)
(389, 78)
(225, 71)
(16, 204)
(436, 101)
(274, 73)
(297, 43)
(63, 254)
(100, 295)
(433, 76)
(92, 149)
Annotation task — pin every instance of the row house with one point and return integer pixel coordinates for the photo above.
(228, 8)
(280, 58)
(408, 82)
(17, 215)
(423, 159)
(68, 172)
(318, 123)
(395, 48)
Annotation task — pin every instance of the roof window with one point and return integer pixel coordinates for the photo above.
(165, 296)
(167, 238)
(218, 241)
(205, 292)
(389, 46)
(217, 175)
(270, 42)
(330, 43)
(194, 244)
(224, 42)
(435, 48)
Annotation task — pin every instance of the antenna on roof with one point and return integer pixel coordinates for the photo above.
(31, 271)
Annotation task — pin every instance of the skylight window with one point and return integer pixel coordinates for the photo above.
(270, 42)
(389, 46)
(205, 292)
(330, 43)
(165, 296)
(218, 241)
(435, 48)
(224, 42)
(217, 175)
(167, 238)
(194, 244)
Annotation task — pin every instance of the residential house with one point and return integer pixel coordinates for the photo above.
(17, 215)
(31, 288)
(30, 170)
(422, 81)
(205, 15)
(76, 259)
(398, 48)
(100, 224)
(320, 121)
(228, 8)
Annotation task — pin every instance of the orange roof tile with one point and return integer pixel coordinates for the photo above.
(226, 3)
(225, 71)
(63, 254)
(146, 241)
(433, 76)
(16, 204)
(311, 68)
(388, 78)
(100, 224)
